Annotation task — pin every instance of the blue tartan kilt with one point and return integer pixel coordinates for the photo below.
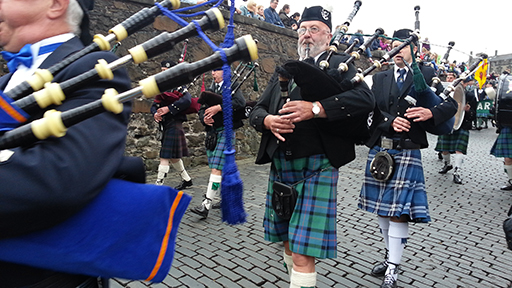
(502, 147)
(456, 141)
(403, 194)
(216, 158)
(174, 143)
(312, 228)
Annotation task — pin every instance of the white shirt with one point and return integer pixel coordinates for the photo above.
(23, 72)
(397, 74)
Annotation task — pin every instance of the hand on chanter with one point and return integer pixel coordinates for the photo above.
(278, 125)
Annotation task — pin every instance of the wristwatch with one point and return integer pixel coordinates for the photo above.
(316, 110)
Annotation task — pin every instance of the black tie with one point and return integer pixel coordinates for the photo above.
(401, 78)
(217, 88)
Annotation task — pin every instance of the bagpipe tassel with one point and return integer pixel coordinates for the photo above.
(232, 204)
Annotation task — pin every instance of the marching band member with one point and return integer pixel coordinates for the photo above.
(305, 142)
(457, 142)
(401, 198)
(169, 111)
(211, 117)
(47, 182)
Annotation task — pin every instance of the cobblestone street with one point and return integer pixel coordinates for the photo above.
(464, 245)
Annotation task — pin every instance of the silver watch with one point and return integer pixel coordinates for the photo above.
(316, 109)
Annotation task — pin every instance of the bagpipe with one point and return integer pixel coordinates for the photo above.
(55, 93)
(338, 35)
(118, 33)
(55, 123)
(99, 240)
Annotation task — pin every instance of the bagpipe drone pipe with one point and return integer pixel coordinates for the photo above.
(55, 123)
(118, 33)
(55, 93)
(340, 33)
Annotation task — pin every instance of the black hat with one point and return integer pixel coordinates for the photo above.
(403, 34)
(316, 13)
(85, 34)
(167, 63)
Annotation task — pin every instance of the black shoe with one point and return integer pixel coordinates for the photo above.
(457, 179)
(440, 155)
(184, 184)
(445, 169)
(200, 210)
(380, 269)
(216, 205)
(507, 187)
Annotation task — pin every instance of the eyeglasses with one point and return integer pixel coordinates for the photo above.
(312, 30)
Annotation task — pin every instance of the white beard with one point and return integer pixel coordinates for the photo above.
(315, 49)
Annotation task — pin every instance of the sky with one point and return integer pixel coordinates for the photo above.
(441, 21)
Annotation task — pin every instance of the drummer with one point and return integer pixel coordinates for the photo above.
(457, 142)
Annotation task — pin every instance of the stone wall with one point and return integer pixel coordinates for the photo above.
(275, 45)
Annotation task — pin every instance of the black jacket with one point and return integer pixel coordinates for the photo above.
(391, 104)
(333, 133)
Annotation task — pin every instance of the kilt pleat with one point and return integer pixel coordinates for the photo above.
(216, 158)
(403, 194)
(174, 143)
(457, 141)
(312, 229)
(502, 147)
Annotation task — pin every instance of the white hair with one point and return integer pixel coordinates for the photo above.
(74, 16)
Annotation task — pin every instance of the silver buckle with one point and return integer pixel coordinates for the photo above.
(386, 143)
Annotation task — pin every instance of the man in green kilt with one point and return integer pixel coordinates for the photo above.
(306, 142)
(503, 148)
(212, 117)
(400, 196)
(457, 142)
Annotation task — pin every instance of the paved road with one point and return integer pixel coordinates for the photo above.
(463, 246)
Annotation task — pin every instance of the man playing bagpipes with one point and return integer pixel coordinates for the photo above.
(307, 139)
(211, 117)
(169, 111)
(66, 217)
(397, 193)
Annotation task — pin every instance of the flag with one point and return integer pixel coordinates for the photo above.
(481, 74)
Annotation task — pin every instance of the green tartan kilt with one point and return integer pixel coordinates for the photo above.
(502, 147)
(457, 141)
(312, 229)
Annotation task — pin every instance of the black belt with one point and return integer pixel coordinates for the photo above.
(398, 144)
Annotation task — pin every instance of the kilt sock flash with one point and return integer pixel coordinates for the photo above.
(398, 234)
(384, 229)
(162, 173)
(213, 187)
